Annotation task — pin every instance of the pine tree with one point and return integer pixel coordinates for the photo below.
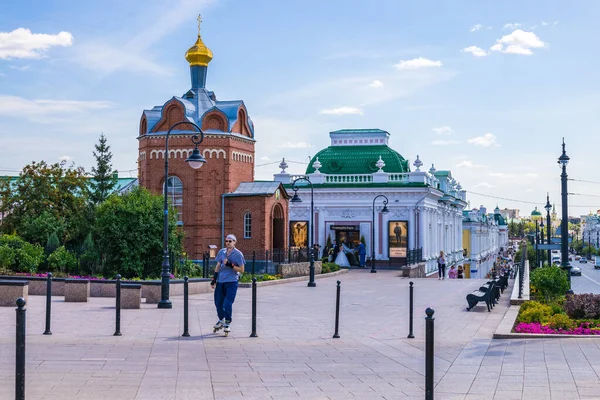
(104, 180)
(52, 244)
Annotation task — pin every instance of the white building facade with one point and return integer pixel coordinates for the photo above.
(355, 178)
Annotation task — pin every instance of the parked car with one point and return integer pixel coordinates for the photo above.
(575, 271)
(583, 260)
(577, 258)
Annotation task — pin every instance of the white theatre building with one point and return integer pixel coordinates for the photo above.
(425, 207)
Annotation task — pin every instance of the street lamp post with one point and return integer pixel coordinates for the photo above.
(563, 160)
(548, 207)
(297, 199)
(537, 243)
(384, 210)
(542, 241)
(195, 161)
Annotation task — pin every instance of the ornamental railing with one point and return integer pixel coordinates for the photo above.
(350, 178)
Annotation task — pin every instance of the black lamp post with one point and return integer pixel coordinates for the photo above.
(195, 161)
(384, 210)
(297, 199)
(542, 254)
(563, 160)
(548, 207)
(537, 242)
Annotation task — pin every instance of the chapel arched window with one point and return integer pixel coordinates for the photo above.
(247, 225)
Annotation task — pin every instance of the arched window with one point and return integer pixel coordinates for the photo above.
(175, 194)
(247, 225)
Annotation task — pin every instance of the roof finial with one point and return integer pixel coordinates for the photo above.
(199, 22)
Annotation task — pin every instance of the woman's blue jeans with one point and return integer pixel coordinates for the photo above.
(224, 297)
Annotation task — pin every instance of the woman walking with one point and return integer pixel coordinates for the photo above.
(441, 266)
(230, 263)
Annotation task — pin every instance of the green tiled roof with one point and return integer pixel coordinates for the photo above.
(358, 160)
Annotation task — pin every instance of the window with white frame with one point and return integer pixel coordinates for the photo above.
(247, 225)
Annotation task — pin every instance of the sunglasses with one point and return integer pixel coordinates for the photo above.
(229, 241)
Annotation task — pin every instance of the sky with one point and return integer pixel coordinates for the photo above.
(484, 89)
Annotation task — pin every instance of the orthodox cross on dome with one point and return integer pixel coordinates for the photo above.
(418, 163)
(199, 22)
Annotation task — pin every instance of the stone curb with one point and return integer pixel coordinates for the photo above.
(290, 280)
(504, 330)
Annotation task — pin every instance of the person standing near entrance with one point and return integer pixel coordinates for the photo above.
(362, 254)
(230, 263)
(441, 261)
(398, 232)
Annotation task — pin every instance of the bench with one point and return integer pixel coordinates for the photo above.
(131, 295)
(485, 294)
(11, 290)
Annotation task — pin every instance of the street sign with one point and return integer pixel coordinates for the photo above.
(547, 246)
(558, 240)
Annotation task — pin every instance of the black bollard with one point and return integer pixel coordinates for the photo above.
(253, 262)
(410, 312)
(20, 353)
(253, 334)
(118, 307)
(48, 303)
(185, 306)
(204, 271)
(336, 335)
(429, 354)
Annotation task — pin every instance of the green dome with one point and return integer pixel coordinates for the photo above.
(536, 213)
(358, 160)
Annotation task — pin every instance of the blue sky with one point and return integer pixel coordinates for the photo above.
(486, 89)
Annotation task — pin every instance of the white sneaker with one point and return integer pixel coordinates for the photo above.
(226, 327)
(220, 323)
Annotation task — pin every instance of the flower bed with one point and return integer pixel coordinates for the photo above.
(576, 314)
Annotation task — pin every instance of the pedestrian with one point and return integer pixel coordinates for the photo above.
(452, 272)
(441, 261)
(230, 263)
(459, 272)
(362, 254)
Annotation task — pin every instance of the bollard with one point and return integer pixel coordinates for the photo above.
(185, 306)
(118, 307)
(336, 335)
(253, 261)
(429, 354)
(20, 353)
(48, 303)
(204, 271)
(410, 312)
(253, 334)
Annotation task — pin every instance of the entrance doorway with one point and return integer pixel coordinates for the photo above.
(278, 234)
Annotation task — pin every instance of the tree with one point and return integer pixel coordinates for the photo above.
(104, 179)
(45, 199)
(52, 244)
(89, 259)
(129, 234)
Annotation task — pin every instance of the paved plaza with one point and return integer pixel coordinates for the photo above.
(294, 356)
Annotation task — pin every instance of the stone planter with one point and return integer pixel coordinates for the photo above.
(77, 290)
(11, 290)
(131, 295)
(298, 269)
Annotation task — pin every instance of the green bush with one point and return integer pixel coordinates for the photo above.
(551, 282)
(23, 256)
(533, 311)
(247, 277)
(329, 267)
(560, 321)
(62, 260)
(7, 257)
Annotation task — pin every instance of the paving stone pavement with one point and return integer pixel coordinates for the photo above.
(294, 356)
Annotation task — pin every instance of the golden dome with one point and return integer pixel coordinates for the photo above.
(198, 54)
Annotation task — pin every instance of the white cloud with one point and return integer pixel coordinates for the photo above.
(529, 190)
(376, 84)
(21, 43)
(65, 158)
(443, 130)
(483, 184)
(476, 51)
(518, 42)
(107, 59)
(46, 110)
(531, 175)
(265, 158)
(296, 145)
(487, 140)
(468, 164)
(444, 142)
(417, 63)
(23, 68)
(512, 26)
(343, 111)
(476, 27)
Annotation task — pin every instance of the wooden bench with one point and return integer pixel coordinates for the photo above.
(485, 294)
(11, 290)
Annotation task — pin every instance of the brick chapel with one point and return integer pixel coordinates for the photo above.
(222, 196)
